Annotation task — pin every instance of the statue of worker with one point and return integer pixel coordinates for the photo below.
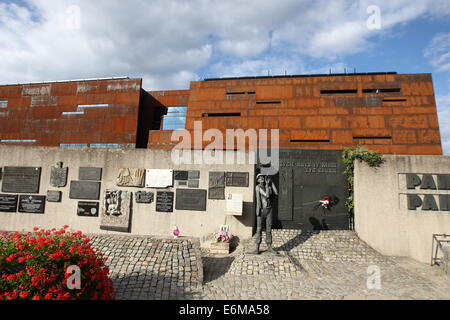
(265, 190)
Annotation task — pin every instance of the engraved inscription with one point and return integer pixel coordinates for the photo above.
(32, 204)
(236, 179)
(88, 190)
(8, 202)
(87, 209)
(164, 201)
(90, 173)
(21, 179)
(188, 199)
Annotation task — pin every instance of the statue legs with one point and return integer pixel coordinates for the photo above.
(266, 214)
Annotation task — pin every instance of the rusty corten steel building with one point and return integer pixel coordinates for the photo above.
(387, 112)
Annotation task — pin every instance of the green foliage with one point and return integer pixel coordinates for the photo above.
(372, 158)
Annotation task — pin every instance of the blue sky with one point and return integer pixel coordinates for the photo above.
(169, 43)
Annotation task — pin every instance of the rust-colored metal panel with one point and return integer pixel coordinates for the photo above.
(55, 113)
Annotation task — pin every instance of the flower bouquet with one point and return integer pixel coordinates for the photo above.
(221, 243)
(223, 236)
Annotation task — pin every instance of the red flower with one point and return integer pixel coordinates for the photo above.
(24, 294)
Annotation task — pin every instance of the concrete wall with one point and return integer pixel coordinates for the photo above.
(145, 220)
(382, 218)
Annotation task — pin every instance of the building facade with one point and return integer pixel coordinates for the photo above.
(388, 112)
(317, 116)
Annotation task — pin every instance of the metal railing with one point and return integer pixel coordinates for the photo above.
(436, 245)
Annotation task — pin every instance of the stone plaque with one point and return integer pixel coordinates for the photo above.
(54, 196)
(88, 190)
(32, 204)
(159, 178)
(21, 180)
(306, 177)
(194, 174)
(90, 173)
(8, 202)
(131, 177)
(144, 197)
(58, 176)
(181, 175)
(116, 211)
(188, 199)
(87, 209)
(193, 183)
(164, 201)
(216, 185)
(236, 179)
(182, 183)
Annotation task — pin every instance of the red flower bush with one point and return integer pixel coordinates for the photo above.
(34, 266)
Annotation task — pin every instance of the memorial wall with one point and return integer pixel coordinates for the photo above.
(400, 205)
(137, 192)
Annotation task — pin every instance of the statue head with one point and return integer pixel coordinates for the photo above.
(260, 179)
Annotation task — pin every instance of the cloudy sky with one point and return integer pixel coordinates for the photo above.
(171, 42)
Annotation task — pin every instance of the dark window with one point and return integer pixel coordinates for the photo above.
(242, 92)
(229, 114)
(268, 102)
(344, 91)
(175, 119)
(394, 100)
(381, 90)
(374, 138)
(321, 140)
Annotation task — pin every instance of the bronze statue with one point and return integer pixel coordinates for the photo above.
(265, 190)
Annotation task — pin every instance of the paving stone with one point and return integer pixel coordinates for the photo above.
(310, 265)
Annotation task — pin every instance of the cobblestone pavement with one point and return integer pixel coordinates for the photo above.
(152, 268)
(314, 265)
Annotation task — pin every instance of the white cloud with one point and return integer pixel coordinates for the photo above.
(443, 105)
(438, 52)
(167, 42)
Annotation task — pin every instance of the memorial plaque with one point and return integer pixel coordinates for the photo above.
(90, 173)
(216, 185)
(32, 204)
(54, 196)
(21, 180)
(87, 209)
(235, 203)
(182, 183)
(131, 177)
(58, 176)
(188, 199)
(236, 179)
(116, 211)
(144, 197)
(8, 202)
(88, 190)
(306, 177)
(193, 183)
(194, 174)
(181, 175)
(164, 201)
(159, 178)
